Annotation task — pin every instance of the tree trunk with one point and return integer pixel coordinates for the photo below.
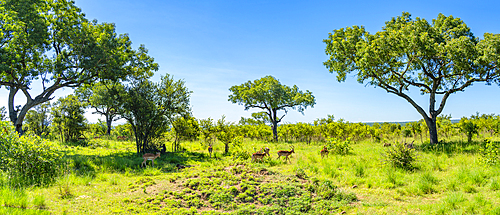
(275, 130)
(109, 119)
(226, 148)
(431, 124)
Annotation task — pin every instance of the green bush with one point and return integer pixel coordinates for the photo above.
(400, 156)
(489, 152)
(28, 160)
(339, 147)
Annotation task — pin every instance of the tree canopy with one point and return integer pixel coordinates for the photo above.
(52, 42)
(103, 98)
(150, 108)
(270, 95)
(438, 58)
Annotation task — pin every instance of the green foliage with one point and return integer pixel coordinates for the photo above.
(410, 53)
(490, 152)
(3, 113)
(38, 120)
(28, 160)
(468, 127)
(185, 128)
(339, 147)
(68, 118)
(123, 130)
(103, 98)
(52, 42)
(226, 133)
(151, 107)
(400, 156)
(270, 95)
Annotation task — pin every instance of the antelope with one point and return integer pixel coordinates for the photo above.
(410, 145)
(266, 151)
(258, 155)
(387, 144)
(285, 154)
(151, 157)
(324, 152)
(210, 150)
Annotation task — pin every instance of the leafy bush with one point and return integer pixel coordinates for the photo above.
(489, 152)
(28, 160)
(339, 147)
(400, 156)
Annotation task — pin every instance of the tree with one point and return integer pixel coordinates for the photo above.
(102, 97)
(68, 118)
(150, 107)
(226, 133)
(207, 130)
(52, 42)
(438, 58)
(185, 128)
(468, 127)
(270, 95)
(38, 120)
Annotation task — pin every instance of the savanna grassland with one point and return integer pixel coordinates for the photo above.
(105, 178)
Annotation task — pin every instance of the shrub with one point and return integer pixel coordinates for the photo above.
(489, 152)
(339, 147)
(28, 160)
(400, 156)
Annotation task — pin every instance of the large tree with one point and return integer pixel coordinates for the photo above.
(270, 95)
(150, 107)
(52, 42)
(438, 58)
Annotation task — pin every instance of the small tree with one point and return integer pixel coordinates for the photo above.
(468, 127)
(270, 95)
(226, 133)
(150, 108)
(68, 118)
(185, 128)
(38, 120)
(207, 130)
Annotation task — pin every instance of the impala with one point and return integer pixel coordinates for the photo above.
(150, 157)
(210, 150)
(258, 155)
(324, 152)
(285, 154)
(266, 151)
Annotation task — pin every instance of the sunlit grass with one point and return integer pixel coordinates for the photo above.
(107, 179)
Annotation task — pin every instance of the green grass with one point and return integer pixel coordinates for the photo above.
(106, 179)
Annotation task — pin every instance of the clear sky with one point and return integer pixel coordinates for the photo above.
(213, 45)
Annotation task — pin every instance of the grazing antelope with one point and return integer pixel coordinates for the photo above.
(324, 152)
(387, 144)
(151, 157)
(210, 149)
(285, 154)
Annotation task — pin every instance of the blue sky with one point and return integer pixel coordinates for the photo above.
(213, 45)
